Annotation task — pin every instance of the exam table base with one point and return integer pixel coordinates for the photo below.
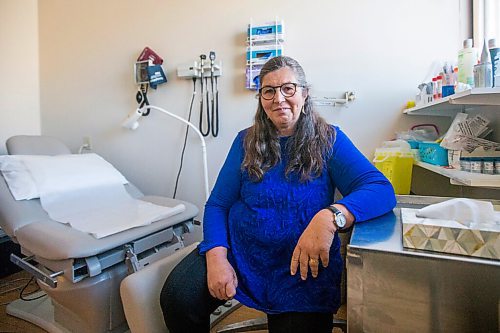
(41, 313)
(93, 305)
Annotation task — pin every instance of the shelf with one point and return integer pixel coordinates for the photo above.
(450, 105)
(458, 177)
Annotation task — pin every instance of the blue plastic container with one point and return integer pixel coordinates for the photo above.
(414, 144)
(448, 90)
(433, 153)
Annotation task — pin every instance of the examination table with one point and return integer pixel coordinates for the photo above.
(80, 274)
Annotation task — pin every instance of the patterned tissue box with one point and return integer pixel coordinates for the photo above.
(450, 236)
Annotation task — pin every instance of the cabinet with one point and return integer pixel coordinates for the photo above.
(392, 289)
(449, 106)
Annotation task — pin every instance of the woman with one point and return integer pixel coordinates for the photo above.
(270, 223)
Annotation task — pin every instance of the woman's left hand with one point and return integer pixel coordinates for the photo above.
(314, 245)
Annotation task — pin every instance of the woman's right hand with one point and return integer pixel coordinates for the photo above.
(221, 277)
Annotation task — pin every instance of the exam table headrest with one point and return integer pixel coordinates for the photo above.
(35, 145)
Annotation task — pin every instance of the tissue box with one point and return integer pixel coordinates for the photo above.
(449, 236)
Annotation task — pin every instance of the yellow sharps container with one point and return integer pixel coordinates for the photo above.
(395, 161)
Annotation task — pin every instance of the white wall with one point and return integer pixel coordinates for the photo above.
(19, 78)
(380, 49)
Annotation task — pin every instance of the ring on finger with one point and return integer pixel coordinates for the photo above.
(313, 261)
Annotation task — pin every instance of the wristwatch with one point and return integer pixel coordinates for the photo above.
(339, 217)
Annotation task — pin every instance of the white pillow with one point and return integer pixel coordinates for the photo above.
(28, 176)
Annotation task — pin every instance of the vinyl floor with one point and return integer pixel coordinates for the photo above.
(10, 287)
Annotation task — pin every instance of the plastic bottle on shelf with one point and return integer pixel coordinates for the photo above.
(482, 71)
(449, 81)
(439, 81)
(434, 88)
(489, 166)
(476, 165)
(495, 61)
(465, 164)
(467, 58)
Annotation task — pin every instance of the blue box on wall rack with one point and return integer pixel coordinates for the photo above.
(263, 53)
(267, 29)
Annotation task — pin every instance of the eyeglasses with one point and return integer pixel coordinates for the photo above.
(286, 89)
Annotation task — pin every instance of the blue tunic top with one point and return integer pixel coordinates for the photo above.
(260, 223)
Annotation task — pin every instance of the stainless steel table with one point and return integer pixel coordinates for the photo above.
(392, 289)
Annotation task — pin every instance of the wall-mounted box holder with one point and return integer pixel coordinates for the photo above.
(194, 70)
(264, 41)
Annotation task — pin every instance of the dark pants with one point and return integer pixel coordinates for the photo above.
(187, 304)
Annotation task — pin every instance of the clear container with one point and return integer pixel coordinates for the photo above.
(467, 58)
(465, 164)
(489, 166)
(439, 81)
(476, 165)
(497, 167)
(434, 88)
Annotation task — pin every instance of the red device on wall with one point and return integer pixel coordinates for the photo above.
(148, 54)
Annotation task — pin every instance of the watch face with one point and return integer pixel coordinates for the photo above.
(340, 219)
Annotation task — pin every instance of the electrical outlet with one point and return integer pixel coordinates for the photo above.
(87, 143)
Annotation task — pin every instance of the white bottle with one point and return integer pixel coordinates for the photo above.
(467, 58)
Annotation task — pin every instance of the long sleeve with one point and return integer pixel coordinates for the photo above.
(224, 194)
(366, 191)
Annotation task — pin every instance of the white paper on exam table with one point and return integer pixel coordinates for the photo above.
(91, 199)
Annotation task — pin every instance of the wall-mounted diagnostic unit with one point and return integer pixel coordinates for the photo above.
(207, 70)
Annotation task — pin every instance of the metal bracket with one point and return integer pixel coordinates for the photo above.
(131, 260)
(195, 70)
(49, 279)
(349, 96)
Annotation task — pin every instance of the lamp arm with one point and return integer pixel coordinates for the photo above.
(202, 139)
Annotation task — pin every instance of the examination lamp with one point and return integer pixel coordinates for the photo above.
(132, 122)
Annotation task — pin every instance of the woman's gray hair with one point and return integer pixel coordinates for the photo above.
(309, 146)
